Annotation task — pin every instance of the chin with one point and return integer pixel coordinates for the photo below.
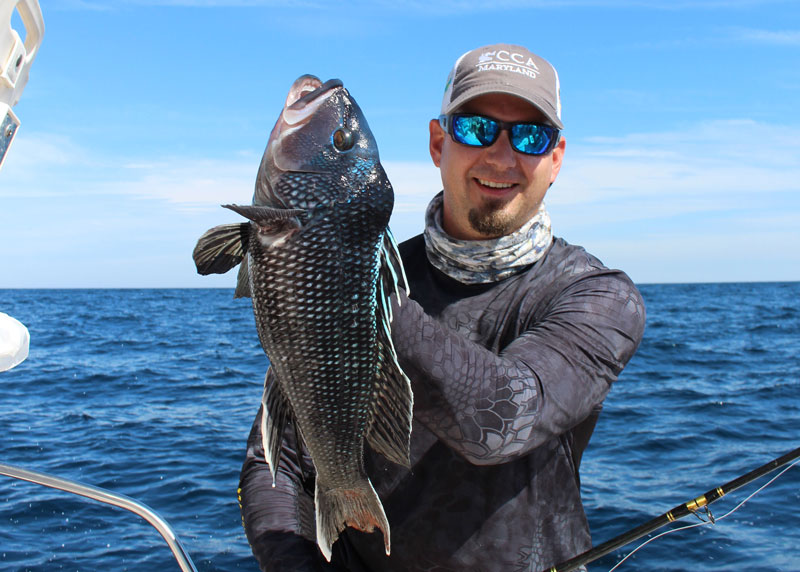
(492, 223)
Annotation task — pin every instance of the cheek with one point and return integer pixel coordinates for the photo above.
(444, 169)
(450, 165)
(456, 160)
(541, 171)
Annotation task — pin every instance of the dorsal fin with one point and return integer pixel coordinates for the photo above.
(266, 217)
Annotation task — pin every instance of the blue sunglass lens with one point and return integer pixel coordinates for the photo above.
(475, 130)
(530, 138)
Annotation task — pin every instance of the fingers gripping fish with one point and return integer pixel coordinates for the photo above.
(319, 262)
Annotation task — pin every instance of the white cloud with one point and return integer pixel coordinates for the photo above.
(116, 4)
(707, 167)
(719, 162)
(33, 152)
(771, 37)
(45, 164)
(42, 165)
(425, 7)
(191, 184)
(696, 203)
(664, 206)
(414, 184)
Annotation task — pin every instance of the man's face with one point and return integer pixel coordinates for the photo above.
(492, 191)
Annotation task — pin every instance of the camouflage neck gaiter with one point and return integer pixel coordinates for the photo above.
(483, 261)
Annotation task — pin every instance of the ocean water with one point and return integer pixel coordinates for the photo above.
(151, 393)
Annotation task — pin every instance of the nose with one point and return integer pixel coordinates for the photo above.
(500, 153)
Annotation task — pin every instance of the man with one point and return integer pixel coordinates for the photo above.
(511, 340)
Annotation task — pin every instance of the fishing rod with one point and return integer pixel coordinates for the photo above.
(672, 515)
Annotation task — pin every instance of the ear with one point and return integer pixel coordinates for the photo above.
(558, 158)
(437, 135)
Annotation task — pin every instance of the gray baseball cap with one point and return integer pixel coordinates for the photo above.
(504, 68)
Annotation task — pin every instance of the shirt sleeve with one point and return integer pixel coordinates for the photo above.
(279, 521)
(494, 407)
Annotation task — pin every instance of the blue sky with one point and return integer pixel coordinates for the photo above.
(141, 117)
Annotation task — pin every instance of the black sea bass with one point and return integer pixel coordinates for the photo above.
(320, 263)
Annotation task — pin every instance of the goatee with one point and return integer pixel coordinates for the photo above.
(491, 220)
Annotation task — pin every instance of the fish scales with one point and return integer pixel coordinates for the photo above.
(327, 346)
(320, 263)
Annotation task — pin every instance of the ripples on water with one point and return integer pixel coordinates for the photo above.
(148, 393)
(712, 393)
(151, 393)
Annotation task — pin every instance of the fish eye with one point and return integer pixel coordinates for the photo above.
(343, 139)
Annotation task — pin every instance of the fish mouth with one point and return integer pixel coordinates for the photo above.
(296, 133)
(307, 88)
(307, 94)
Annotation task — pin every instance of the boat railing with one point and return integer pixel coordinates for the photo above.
(107, 497)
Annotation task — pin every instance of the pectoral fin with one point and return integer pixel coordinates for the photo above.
(221, 248)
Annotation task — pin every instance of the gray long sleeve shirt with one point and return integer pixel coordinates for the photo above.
(508, 381)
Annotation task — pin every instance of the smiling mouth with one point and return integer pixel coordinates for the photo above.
(494, 185)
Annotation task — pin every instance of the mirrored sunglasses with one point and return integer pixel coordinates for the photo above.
(481, 131)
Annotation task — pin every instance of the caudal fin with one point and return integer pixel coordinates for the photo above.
(358, 507)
